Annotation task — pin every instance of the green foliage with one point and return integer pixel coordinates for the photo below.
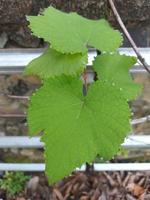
(71, 33)
(53, 63)
(77, 128)
(115, 68)
(13, 183)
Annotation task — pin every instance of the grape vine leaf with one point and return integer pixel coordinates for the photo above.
(115, 68)
(59, 28)
(77, 128)
(53, 63)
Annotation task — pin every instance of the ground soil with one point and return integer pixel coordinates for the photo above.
(87, 186)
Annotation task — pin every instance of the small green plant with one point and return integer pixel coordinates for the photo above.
(79, 126)
(13, 183)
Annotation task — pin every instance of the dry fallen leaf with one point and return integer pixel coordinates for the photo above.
(136, 189)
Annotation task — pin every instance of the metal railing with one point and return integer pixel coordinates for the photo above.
(14, 61)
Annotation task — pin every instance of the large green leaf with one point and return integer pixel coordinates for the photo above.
(71, 33)
(53, 63)
(77, 128)
(115, 68)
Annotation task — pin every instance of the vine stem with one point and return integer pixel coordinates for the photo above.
(85, 86)
(128, 36)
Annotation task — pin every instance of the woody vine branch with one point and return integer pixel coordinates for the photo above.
(128, 36)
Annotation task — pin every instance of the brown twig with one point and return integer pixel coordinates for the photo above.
(15, 96)
(18, 97)
(128, 36)
(85, 86)
(11, 115)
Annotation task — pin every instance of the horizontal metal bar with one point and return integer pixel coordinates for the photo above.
(20, 142)
(119, 167)
(137, 142)
(144, 51)
(138, 68)
(131, 142)
(15, 60)
(141, 120)
(10, 58)
(11, 70)
(27, 167)
(40, 167)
